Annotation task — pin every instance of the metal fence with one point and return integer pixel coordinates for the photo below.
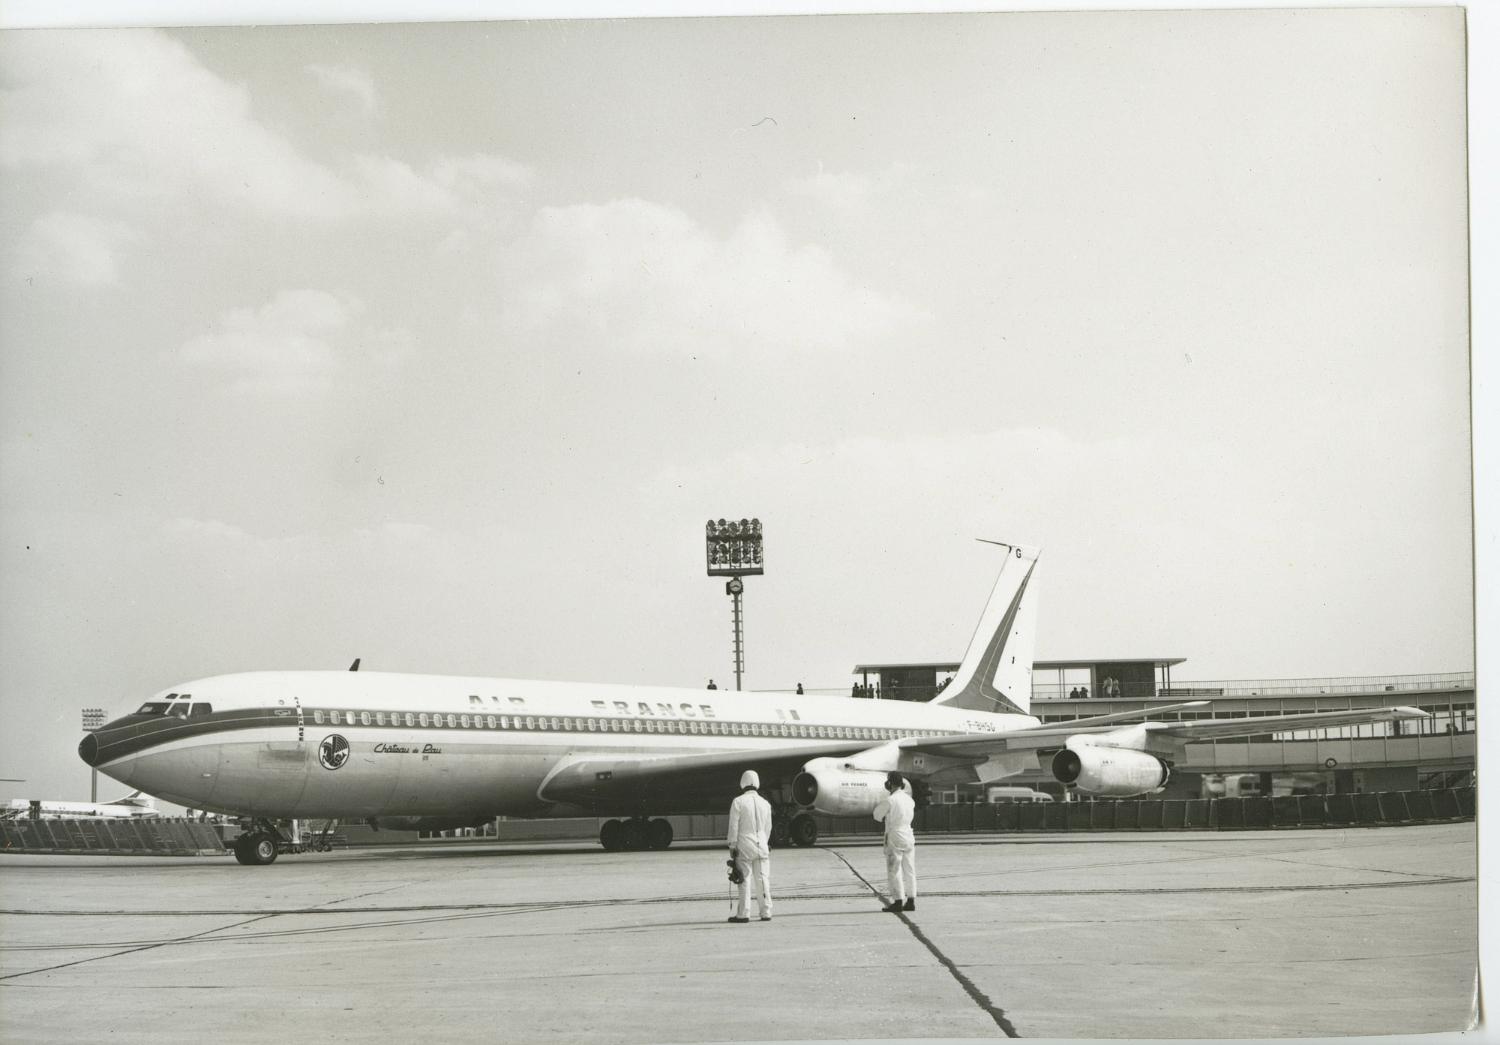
(1386, 807)
(138, 836)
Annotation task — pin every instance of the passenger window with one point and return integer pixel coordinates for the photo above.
(530, 722)
(489, 720)
(317, 716)
(593, 725)
(464, 721)
(380, 718)
(422, 718)
(364, 718)
(452, 721)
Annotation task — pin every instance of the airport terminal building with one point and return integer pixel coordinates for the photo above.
(1436, 752)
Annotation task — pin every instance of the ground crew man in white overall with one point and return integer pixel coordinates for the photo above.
(897, 810)
(750, 845)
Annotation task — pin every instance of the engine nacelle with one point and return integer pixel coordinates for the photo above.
(1111, 772)
(835, 790)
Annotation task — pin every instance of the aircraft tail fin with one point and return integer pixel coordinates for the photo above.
(995, 674)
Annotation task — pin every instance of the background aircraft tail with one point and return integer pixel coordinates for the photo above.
(996, 671)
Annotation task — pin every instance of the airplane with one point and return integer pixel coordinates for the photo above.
(135, 804)
(412, 750)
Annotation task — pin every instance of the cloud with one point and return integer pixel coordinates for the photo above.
(284, 347)
(208, 531)
(474, 175)
(70, 248)
(854, 194)
(646, 278)
(131, 116)
(347, 80)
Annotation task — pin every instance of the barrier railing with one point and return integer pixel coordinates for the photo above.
(1223, 814)
(174, 837)
(1351, 684)
(138, 836)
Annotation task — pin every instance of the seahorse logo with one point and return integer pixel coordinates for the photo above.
(333, 752)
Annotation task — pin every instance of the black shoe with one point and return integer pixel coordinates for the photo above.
(894, 908)
(911, 905)
(739, 919)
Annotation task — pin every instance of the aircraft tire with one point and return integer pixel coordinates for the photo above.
(804, 830)
(779, 832)
(635, 834)
(259, 848)
(242, 849)
(659, 833)
(612, 836)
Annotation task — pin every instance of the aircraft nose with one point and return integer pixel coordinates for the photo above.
(88, 749)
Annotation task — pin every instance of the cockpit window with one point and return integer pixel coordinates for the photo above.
(180, 710)
(154, 708)
(202, 709)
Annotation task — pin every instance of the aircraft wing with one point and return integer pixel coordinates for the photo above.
(1187, 732)
(623, 784)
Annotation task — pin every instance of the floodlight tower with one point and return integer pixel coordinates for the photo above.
(93, 718)
(734, 551)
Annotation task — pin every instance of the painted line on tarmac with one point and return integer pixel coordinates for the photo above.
(979, 997)
(543, 906)
(133, 950)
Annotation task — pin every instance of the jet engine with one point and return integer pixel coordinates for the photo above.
(1110, 772)
(836, 790)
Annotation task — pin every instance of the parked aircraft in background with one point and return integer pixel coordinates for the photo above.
(134, 804)
(354, 745)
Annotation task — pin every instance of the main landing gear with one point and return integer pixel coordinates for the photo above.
(791, 826)
(257, 847)
(262, 842)
(635, 834)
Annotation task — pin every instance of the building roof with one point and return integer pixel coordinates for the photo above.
(1043, 665)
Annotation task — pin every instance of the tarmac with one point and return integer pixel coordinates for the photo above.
(1255, 934)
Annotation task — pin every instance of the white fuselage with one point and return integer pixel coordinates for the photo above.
(368, 744)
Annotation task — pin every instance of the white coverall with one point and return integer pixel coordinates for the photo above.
(750, 838)
(897, 810)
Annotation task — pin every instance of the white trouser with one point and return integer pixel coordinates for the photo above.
(901, 873)
(759, 869)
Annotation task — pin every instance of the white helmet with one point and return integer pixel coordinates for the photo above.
(749, 778)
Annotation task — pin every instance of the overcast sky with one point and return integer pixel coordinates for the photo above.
(437, 345)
